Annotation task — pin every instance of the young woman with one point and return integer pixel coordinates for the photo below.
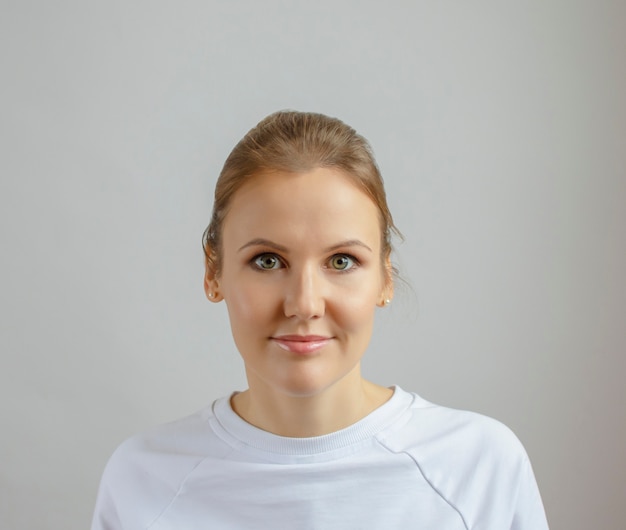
(299, 249)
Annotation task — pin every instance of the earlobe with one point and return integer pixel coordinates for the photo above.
(211, 284)
(387, 294)
(384, 301)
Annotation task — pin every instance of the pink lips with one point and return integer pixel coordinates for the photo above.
(301, 344)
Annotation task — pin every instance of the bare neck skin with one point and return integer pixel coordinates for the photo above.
(337, 407)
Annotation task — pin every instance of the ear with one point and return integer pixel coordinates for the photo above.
(211, 283)
(387, 292)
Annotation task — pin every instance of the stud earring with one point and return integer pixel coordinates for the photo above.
(387, 301)
(211, 295)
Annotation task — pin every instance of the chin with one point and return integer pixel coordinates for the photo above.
(302, 388)
(306, 384)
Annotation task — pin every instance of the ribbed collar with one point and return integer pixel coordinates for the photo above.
(243, 436)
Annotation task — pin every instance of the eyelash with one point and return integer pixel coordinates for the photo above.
(255, 262)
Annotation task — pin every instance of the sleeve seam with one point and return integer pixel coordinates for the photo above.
(178, 491)
(430, 484)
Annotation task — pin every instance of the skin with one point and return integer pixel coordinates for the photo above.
(302, 275)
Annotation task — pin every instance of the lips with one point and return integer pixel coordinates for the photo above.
(301, 344)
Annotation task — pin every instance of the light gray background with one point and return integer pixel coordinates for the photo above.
(500, 128)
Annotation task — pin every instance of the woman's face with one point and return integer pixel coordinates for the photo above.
(301, 275)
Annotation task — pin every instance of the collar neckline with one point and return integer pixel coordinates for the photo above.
(238, 433)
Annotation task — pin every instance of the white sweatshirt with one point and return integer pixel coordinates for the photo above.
(408, 465)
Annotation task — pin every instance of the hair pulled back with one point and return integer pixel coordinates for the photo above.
(297, 142)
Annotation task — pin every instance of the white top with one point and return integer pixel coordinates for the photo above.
(409, 464)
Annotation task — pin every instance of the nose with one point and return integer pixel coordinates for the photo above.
(304, 298)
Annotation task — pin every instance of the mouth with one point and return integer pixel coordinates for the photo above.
(301, 344)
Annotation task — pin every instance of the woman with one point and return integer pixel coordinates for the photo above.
(299, 250)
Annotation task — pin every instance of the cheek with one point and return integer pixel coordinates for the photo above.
(249, 304)
(355, 310)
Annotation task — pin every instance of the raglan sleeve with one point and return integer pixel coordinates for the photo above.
(529, 511)
(130, 494)
(106, 513)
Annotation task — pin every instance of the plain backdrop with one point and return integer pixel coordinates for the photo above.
(500, 129)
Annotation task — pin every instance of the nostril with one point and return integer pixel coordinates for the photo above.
(304, 300)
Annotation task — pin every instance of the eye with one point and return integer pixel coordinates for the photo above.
(342, 262)
(267, 262)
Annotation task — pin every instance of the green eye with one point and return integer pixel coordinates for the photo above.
(341, 262)
(267, 262)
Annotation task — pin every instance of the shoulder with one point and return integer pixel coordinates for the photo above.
(474, 462)
(432, 430)
(153, 466)
(188, 438)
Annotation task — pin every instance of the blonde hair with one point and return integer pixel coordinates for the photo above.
(297, 142)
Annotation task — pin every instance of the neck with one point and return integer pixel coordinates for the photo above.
(300, 416)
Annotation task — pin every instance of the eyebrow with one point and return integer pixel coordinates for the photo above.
(260, 242)
(267, 243)
(349, 243)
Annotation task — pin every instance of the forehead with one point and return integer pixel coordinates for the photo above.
(319, 205)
